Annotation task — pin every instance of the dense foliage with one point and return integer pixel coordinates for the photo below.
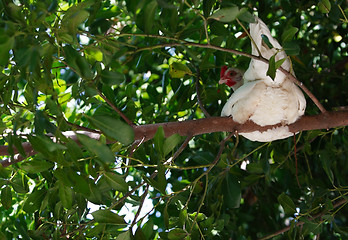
(75, 65)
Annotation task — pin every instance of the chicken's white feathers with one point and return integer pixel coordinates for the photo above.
(261, 99)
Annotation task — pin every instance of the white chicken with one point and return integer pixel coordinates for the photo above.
(259, 98)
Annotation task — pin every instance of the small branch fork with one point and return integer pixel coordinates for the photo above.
(115, 109)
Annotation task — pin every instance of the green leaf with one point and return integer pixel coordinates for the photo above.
(287, 204)
(4, 172)
(207, 7)
(225, 14)
(6, 44)
(266, 40)
(245, 15)
(273, 66)
(161, 179)
(34, 200)
(20, 184)
(289, 33)
(112, 78)
(94, 55)
(326, 161)
(114, 128)
(71, 178)
(279, 63)
(106, 216)
(96, 230)
(73, 18)
(62, 175)
(79, 183)
(36, 166)
(102, 151)
(324, 6)
(232, 192)
(166, 216)
(159, 185)
(66, 195)
(44, 144)
(116, 181)
(124, 236)
(159, 140)
(271, 72)
(291, 48)
(311, 227)
(170, 143)
(178, 70)
(147, 228)
(177, 234)
(149, 15)
(6, 197)
(78, 63)
(96, 196)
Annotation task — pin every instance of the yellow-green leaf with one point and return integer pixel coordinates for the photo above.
(324, 6)
(179, 70)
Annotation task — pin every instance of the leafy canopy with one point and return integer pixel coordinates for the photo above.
(82, 65)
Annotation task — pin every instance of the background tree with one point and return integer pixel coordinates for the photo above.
(110, 124)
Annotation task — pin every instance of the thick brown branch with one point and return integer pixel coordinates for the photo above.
(207, 125)
(226, 124)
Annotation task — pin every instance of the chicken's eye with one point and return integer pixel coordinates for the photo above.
(232, 73)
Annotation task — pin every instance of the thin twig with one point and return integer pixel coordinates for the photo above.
(75, 125)
(251, 39)
(260, 58)
(182, 147)
(198, 92)
(304, 88)
(128, 194)
(141, 205)
(295, 155)
(132, 149)
(216, 160)
(116, 109)
(339, 203)
(205, 22)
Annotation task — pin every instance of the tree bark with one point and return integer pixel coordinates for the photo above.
(201, 126)
(226, 124)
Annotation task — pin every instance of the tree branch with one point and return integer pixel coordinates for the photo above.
(198, 92)
(339, 203)
(236, 52)
(116, 109)
(226, 124)
(202, 126)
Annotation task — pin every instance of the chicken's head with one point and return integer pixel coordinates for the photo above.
(232, 77)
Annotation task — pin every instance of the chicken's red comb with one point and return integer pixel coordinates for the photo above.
(223, 70)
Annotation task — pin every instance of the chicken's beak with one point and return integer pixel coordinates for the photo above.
(223, 80)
